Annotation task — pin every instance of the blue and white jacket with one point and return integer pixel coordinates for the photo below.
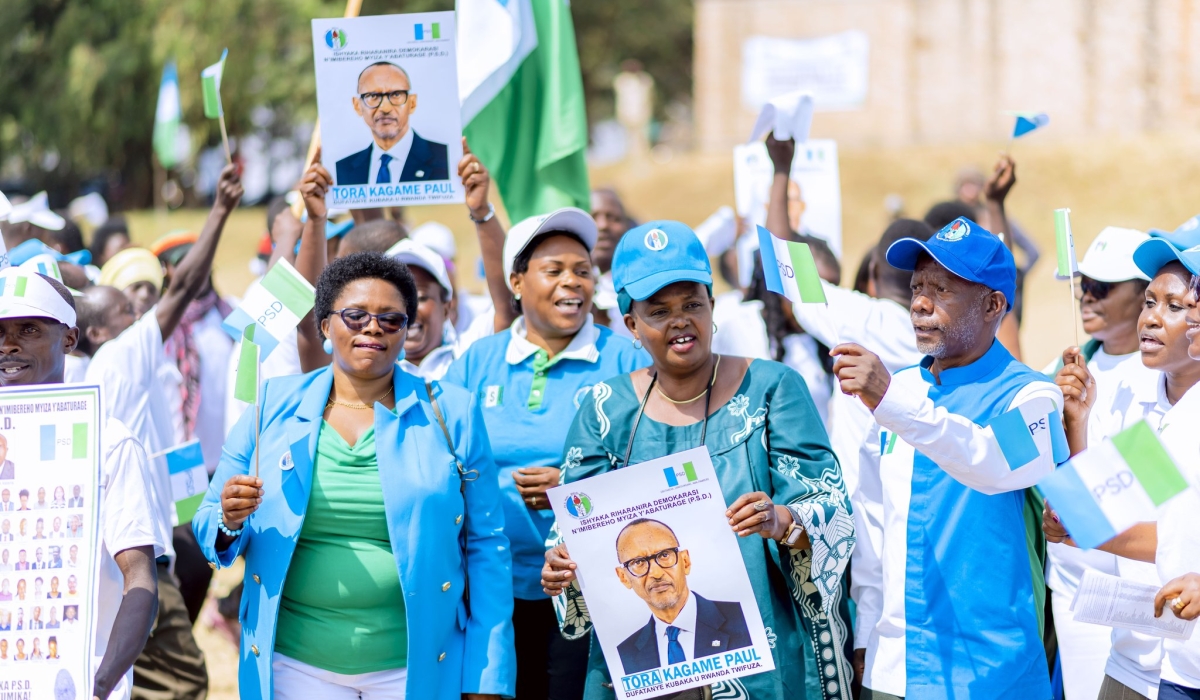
(946, 582)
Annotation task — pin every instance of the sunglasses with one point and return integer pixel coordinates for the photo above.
(1096, 290)
(389, 322)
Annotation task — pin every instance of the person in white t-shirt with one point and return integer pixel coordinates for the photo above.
(1113, 297)
(127, 358)
(1165, 328)
(37, 331)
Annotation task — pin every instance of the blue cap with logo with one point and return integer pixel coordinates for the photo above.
(1165, 247)
(655, 255)
(966, 249)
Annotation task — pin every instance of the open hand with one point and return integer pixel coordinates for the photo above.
(861, 373)
(476, 181)
(532, 484)
(558, 572)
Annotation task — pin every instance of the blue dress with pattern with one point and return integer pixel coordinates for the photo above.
(768, 438)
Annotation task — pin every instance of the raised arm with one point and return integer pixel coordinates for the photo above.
(192, 273)
(782, 153)
(312, 259)
(476, 181)
(135, 618)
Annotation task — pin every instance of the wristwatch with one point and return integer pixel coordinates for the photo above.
(491, 213)
(793, 535)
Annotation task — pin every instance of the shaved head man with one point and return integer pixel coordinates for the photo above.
(385, 100)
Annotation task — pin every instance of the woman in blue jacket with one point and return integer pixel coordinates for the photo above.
(367, 518)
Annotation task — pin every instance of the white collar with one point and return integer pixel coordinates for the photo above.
(582, 346)
(685, 620)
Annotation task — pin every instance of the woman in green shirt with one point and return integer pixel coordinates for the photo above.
(771, 455)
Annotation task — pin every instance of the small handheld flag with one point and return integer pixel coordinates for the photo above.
(245, 386)
(167, 117)
(1029, 121)
(789, 269)
(276, 303)
(1030, 431)
(1109, 488)
(210, 80)
(1068, 266)
(189, 479)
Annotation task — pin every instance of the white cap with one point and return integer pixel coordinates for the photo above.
(568, 219)
(410, 253)
(24, 294)
(436, 237)
(36, 210)
(46, 264)
(1110, 257)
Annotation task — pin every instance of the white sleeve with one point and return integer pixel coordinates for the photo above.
(964, 450)
(129, 504)
(866, 563)
(880, 325)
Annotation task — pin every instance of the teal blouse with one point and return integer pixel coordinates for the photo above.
(768, 438)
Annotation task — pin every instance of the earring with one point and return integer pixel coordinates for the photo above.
(327, 346)
(714, 327)
(517, 296)
(637, 343)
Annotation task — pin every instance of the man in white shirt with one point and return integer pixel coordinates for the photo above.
(127, 354)
(37, 331)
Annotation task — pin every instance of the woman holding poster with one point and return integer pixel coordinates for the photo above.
(369, 515)
(768, 447)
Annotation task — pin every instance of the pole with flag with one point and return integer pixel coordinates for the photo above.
(167, 117)
(1068, 267)
(210, 81)
(245, 387)
(789, 269)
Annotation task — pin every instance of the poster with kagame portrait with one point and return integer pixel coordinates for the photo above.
(387, 97)
(662, 575)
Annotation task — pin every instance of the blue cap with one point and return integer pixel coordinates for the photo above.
(657, 254)
(335, 230)
(1187, 235)
(966, 249)
(1151, 255)
(34, 247)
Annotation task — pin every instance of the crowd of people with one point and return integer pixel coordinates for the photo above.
(388, 492)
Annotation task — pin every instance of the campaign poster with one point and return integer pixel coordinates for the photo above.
(662, 575)
(814, 188)
(49, 540)
(387, 98)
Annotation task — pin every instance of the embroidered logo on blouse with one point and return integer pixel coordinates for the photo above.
(285, 462)
(493, 396)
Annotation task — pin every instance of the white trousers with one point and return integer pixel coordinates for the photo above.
(296, 680)
(1083, 648)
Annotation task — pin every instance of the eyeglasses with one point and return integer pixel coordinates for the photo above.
(357, 319)
(374, 99)
(640, 566)
(1094, 288)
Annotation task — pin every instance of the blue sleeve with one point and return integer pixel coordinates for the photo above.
(235, 461)
(489, 659)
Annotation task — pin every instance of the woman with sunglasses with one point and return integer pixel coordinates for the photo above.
(1159, 553)
(786, 499)
(365, 503)
(529, 379)
(1112, 298)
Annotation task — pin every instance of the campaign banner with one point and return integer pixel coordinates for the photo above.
(663, 576)
(814, 189)
(49, 540)
(387, 98)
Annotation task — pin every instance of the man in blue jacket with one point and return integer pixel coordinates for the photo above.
(954, 606)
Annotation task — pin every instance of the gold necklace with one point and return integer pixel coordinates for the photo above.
(698, 396)
(360, 406)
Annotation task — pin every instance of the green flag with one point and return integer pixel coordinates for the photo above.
(526, 118)
(166, 118)
(245, 386)
(210, 80)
